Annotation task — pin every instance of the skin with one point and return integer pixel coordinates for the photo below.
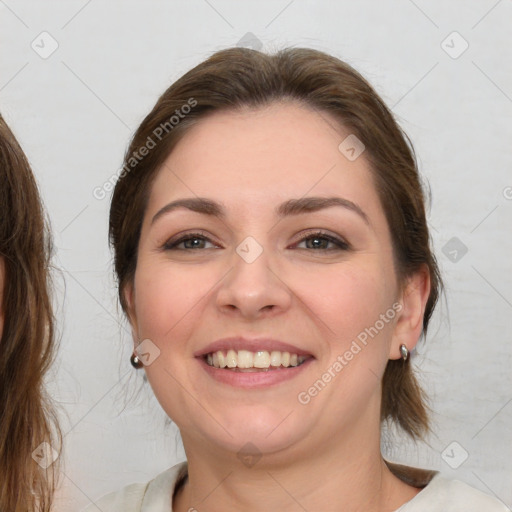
(321, 456)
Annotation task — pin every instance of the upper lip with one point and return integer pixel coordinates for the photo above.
(251, 344)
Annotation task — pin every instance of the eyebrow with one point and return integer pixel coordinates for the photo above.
(291, 207)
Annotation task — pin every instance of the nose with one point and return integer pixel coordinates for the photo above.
(253, 287)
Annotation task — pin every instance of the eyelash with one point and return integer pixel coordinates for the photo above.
(342, 245)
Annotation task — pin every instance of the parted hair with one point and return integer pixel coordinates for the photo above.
(240, 78)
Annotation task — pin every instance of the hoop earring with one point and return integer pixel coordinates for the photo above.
(405, 352)
(136, 362)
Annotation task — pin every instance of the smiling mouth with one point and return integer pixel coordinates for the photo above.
(247, 361)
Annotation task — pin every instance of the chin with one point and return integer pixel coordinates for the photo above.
(261, 430)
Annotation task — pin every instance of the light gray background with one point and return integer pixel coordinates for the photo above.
(75, 111)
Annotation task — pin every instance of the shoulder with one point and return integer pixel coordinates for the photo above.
(446, 495)
(152, 496)
(127, 499)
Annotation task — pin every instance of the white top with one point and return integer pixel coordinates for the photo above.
(439, 495)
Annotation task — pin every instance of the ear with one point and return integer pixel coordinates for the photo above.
(410, 320)
(129, 297)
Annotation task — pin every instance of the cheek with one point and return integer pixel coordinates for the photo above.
(345, 298)
(165, 297)
(167, 304)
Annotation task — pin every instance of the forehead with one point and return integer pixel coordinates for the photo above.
(257, 157)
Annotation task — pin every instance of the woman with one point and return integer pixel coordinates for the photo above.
(274, 262)
(29, 434)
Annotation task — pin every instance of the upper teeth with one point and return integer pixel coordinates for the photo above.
(247, 359)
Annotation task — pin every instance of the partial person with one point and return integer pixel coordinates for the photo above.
(275, 264)
(30, 437)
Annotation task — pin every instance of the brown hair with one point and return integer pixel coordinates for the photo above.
(237, 78)
(27, 342)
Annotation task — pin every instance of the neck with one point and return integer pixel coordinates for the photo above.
(347, 473)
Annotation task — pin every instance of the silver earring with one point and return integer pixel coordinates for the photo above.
(405, 352)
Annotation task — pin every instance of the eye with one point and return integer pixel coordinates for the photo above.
(319, 241)
(197, 242)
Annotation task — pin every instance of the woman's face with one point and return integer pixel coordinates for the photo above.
(262, 271)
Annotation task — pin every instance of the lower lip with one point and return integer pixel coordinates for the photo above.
(259, 379)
